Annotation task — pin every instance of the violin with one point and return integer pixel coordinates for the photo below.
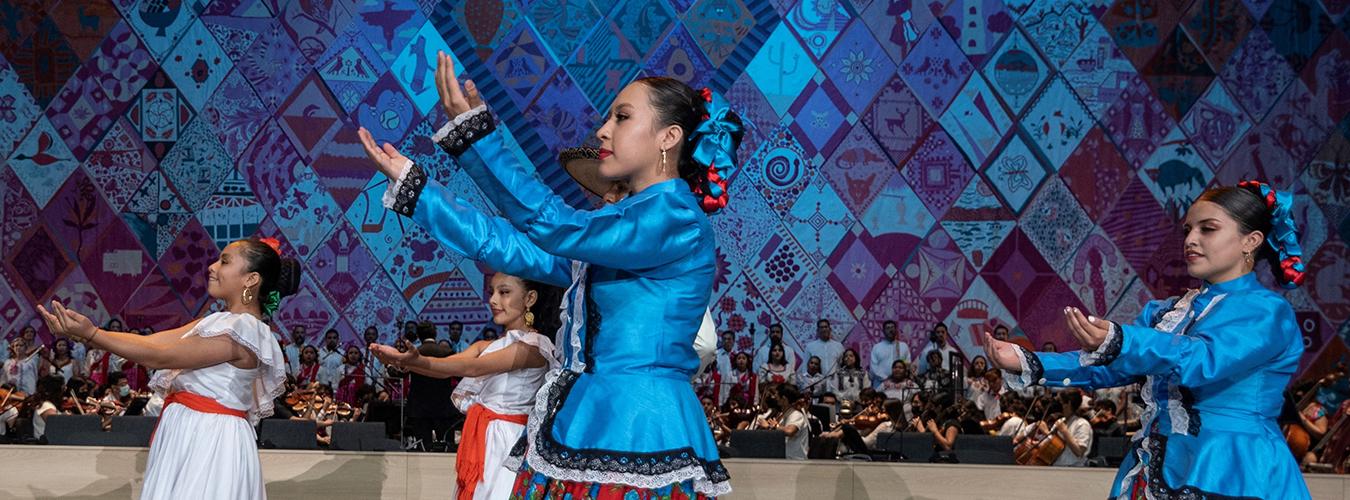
(10, 398)
(993, 425)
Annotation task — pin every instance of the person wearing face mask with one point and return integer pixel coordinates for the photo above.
(1213, 362)
(501, 379)
(638, 272)
(219, 376)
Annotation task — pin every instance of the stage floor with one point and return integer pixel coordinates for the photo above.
(114, 473)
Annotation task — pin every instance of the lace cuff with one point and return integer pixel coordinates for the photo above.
(457, 136)
(1107, 352)
(401, 195)
(1032, 371)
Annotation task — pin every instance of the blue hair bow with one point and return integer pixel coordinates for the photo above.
(715, 143)
(1284, 236)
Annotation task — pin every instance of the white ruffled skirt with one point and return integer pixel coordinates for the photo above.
(202, 456)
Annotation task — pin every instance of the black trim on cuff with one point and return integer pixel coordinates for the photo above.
(1108, 352)
(1034, 365)
(462, 136)
(410, 190)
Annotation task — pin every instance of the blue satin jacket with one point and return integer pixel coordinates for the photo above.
(639, 272)
(1212, 366)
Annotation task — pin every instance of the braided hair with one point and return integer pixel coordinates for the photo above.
(678, 104)
(1254, 211)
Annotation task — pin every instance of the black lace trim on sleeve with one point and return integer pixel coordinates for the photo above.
(1108, 352)
(475, 127)
(405, 200)
(1033, 365)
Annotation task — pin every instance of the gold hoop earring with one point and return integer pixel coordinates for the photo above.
(248, 298)
(529, 318)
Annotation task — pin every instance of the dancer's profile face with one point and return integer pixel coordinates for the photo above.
(510, 300)
(631, 139)
(229, 274)
(1214, 243)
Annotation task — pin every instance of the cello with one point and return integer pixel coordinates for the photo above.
(1298, 438)
(1042, 446)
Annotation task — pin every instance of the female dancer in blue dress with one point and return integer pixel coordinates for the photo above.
(620, 416)
(1212, 363)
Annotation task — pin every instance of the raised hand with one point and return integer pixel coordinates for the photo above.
(1088, 330)
(391, 356)
(66, 322)
(389, 160)
(1002, 355)
(454, 100)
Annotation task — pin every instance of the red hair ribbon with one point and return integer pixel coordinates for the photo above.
(1270, 194)
(1293, 275)
(710, 203)
(706, 93)
(272, 242)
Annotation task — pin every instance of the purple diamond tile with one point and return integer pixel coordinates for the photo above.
(898, 120)
(1098, 70)
(819, 120)
(1215, 123)
(898, 219)
(819, 219)
(818, 24)
(937, 172)
(310, 308)
(342, 265)
(313, 26)
(185, 264)
(77, 215)
(781, 170)
(310, 116)
(1137, 122)
(939, 271)
(1297, 28)
(936, 69)
(858, 169)
(274, 66)
(155, 304)
(977, 26)
(1055, 223)
(1096, 173)
(1016, 71)
(1137, 224)
(119, 164)
(522, 64)
(976, 120)
(858, 66)
(1257, 74)
(235, 113)
(1057, 27)
(268, 163)
(1217, 27)
(37, 265)
(679, 57)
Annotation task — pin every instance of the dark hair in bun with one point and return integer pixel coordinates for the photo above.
(279, 274)
(678, 104)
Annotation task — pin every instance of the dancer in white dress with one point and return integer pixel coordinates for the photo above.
(219, 375)
(503, 377)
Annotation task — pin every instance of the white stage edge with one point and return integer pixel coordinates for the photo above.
(88, 472)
